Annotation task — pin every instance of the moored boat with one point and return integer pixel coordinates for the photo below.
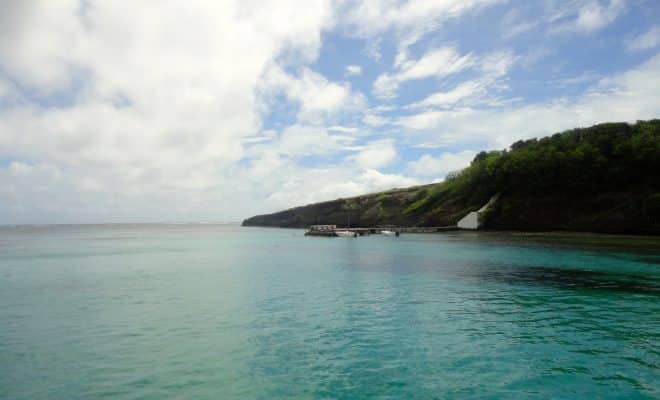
(389, 233)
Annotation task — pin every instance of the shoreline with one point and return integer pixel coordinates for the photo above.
(542, 232)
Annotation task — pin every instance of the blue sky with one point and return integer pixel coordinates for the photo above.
(214, 111)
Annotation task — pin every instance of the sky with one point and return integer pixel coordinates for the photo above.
(216, 110)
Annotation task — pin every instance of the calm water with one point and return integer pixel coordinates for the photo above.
(209, 311)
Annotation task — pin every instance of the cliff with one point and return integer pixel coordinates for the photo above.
(599, 179)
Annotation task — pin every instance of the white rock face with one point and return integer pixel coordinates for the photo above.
(470, 221)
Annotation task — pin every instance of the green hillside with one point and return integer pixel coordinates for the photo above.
(605, 178)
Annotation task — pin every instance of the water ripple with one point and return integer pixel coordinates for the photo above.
(262, 314)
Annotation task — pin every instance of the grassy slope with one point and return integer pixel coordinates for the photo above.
(599, 179)
(428, 205)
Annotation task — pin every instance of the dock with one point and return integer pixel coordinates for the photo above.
(330, 230)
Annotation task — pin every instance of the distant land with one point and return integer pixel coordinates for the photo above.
(605, 178)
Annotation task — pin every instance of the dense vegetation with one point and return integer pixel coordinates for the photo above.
(602, 158)
(602, 178)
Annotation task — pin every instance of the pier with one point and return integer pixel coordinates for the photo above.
(330, 230)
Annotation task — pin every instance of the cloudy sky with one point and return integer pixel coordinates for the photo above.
(204, 110)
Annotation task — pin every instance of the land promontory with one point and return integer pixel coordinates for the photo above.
(604, 178)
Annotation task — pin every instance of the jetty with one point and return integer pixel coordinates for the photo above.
(330, 230)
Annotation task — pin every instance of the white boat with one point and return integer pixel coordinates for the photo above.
(346, 234)
(389, 233)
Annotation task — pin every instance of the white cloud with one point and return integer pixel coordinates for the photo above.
(376, 181)
(376, 154)
(427, 119)
(288, 185)
(306, 140)
(430, 145)
(372, 49)
(436, 63)
(318, 97)
(582, 78)
(297, 140)
(492, 67)
(498, 63)
(353, 70)
(369, 18)
(368, 181)
(409, 20)
(34, 55)
(158, 97)
(345, 129)
(590, 16)
(464, 90)
(372, 119)
(427, 165)
(625, 97)
(648, 40)
(514, 24)
(594, 16)
(520, 28)
(264, 136)
(4, 88)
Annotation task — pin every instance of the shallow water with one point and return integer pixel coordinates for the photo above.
(213, 311)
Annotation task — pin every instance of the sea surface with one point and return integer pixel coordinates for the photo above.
(223, 312)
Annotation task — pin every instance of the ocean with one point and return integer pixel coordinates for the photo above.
(204, 311)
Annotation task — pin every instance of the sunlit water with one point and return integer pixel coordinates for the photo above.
(221, 312)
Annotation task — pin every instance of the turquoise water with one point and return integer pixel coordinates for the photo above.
(212, 311)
